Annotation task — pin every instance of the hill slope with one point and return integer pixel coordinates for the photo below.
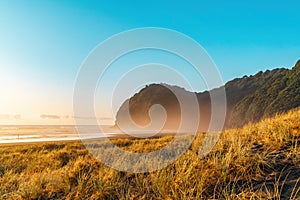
(275, 91)
(249, 99)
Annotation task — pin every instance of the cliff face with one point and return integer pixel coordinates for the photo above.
(248, 99)
(139, 105)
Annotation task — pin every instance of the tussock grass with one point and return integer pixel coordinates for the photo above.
(259, 161)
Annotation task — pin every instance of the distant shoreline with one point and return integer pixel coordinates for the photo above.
(63, 140)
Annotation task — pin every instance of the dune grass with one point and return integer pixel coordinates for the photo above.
(259, 161)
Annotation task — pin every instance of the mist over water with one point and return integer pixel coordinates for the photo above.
(47, 133)
(44, 133)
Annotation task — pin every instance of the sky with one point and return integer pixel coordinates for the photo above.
(44, 43)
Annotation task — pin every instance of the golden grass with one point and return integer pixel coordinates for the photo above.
(259, 161)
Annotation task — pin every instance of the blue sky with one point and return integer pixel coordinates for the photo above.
(43, 43)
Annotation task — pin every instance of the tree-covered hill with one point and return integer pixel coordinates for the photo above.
(266, 94)
(249, 99)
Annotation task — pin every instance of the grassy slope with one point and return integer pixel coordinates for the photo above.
(260, 161)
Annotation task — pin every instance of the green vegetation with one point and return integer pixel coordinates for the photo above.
(249, 99)
(259, 161)
(267, 93)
